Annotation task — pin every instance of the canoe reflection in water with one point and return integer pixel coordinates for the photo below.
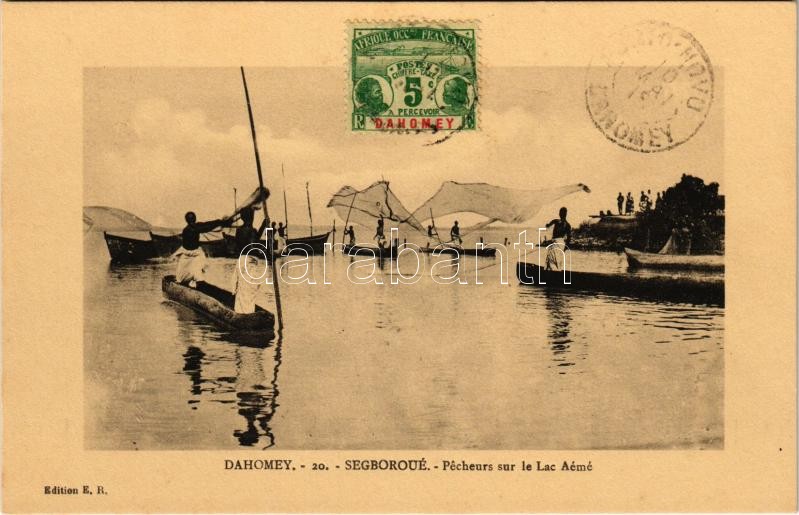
(242, 375)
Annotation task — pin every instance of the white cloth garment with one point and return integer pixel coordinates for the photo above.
(191, 265)
(555, 254)
(247, 283)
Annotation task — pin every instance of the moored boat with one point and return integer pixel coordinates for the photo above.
(165, 244)
(214, 244)
(637, 259)
(700, 290)
(217, 305)
(461, 251)
(310, 244)
(371, 251)
(129, 249)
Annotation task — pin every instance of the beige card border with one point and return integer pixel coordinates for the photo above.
(45, 47)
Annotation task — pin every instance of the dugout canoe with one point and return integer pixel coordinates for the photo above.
(216, 304)
(127, 249)
(710, 263)
(371, 251)
(461, 251)
(310, 244)
(676, 288)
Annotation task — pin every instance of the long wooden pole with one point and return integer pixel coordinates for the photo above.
(275, 282)
(433, 222)
(285, 204)
(310, 216)
(346, 226)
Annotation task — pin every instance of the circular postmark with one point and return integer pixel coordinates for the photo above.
(651, 89)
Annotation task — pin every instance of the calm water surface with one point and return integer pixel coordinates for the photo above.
(423, 366)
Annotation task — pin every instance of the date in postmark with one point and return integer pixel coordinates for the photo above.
(651, 89)
(408, 78)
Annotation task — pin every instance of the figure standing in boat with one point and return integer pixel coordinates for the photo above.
(192, 261)
(351, 233)
(455, 233)
(561, 234)
(380, 235)
(244, 291)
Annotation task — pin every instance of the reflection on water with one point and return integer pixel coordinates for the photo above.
(243, 375)
(422, 366)
(560, 319)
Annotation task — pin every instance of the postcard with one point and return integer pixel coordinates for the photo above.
(399, 257)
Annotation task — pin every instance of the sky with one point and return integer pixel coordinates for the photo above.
(162, 141)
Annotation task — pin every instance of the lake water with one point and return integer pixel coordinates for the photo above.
(422, 366)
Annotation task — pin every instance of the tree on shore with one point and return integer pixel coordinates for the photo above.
(692, 211)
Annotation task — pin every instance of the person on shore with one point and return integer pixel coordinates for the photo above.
(642, 202)
(630, 205)
(191, 257)
(561, 234)
(620, 202)
(455, 233)
(658, 200)
(245, 291)
(351, 233)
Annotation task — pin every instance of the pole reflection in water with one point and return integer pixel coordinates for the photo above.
(560, 320)
(257, 401)
(235, 369)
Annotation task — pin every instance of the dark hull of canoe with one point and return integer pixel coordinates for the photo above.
(709, 263)
(312, 245)
(165, 246)
(215, 248)
(663, 288)
(217, 305)
(461, 251)
(309, 244)
(357, 250)
(128, 250)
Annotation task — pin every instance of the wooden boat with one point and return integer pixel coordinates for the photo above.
(371, 251)
(637, 259)
(126, 249)
(462, 251)
(214, 244)
(165, 244)
(217, 305)
(700, 290)
(230, 244)
(311, 244)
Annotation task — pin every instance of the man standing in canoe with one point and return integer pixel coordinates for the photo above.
(245, 291)
(379, 232)
(351, 233)
(561, 234)
(191, 257)
(281, 233)
(455, 233)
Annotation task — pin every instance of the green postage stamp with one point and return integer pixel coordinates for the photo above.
(414, 78)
